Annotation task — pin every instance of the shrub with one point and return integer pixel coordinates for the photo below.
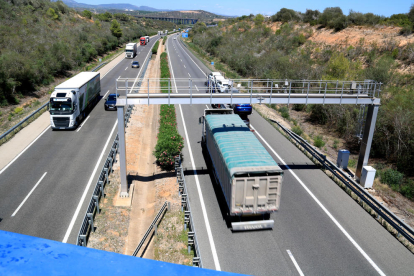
(335, 144)
(284, 111)
(18, 110)
(285, 15)
(318, 141)
(391, 177)
(155, 48)
(297, 130)
(87, 14)
(169, 141)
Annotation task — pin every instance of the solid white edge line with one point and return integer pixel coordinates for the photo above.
(72, 222)
(28, 195)
(295, 263)
(79, 128)
(348, 236)
(26, 148)
(203, 207)
(179, 44)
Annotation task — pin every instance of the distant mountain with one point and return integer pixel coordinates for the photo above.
(120, 6)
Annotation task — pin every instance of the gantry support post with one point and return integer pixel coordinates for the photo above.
(122, 148)
(367, 138)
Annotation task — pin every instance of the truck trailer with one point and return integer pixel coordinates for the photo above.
(72, 99)
(143, 41)
(250, 179)
(130, 50)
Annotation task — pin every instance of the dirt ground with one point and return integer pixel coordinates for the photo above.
(121, 228)
(399, 205)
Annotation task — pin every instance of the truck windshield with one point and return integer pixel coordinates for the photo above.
(61, 106)
(129, 51)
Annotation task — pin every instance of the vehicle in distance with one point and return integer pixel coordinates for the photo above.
(210, 78)
(135, 64)
(110, 102)
(222, 85)
(72, 99)
(130, 50)
(245, 109)
(143, 41)
(250, 179)
(147, 38)
(175, 38)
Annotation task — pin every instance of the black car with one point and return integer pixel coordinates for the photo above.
(135, 64)
(110, 102)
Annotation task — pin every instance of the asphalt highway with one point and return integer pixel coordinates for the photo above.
(319, 229)
(41, 192)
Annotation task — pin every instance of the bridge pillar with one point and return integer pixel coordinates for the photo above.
(367, 138)
(122, 148)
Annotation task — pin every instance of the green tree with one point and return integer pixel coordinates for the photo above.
(258, 20)
(311, 16)
(286, 15)
(329, 15)
(87, 14)
(411, 14)
(52, 14)
(116, 29)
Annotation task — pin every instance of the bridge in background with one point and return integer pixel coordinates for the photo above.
(170, 19)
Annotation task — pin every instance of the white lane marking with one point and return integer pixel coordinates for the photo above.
(131, 62)
(179, 44)
(324, 209)
(139, 72)
(196, 87)
(119, 77)
(189, 75)
(113, 67)
(203, 207)
(181, 60)
(207, 107)
(26, 148)
(72, 222)
(184, 66)
(83, 123)
(126, 68)
(31, 191)
(106, 93)
(295, 263)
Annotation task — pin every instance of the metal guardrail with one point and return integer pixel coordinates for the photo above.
(188, 219)
(15, 128)
(99, 66)
(93, 207)
(400, 226)
(153, 226)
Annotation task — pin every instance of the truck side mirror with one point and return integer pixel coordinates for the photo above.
(200, 120)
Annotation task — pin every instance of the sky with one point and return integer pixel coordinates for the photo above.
(270, 7)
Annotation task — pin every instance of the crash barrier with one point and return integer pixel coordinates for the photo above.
(5, 136)
(93, 207)
(366, 199)
(188, 219)
(152, 229)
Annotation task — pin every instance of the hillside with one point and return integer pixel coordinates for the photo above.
(265, 49)
(43, 40)
(197, 14)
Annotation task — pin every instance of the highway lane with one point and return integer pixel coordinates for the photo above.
(301, 225)
(68, 158)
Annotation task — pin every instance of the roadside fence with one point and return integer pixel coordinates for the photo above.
(366, 200)
(188, 219)
(152, 229)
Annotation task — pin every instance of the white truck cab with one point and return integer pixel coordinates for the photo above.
(210, 78)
